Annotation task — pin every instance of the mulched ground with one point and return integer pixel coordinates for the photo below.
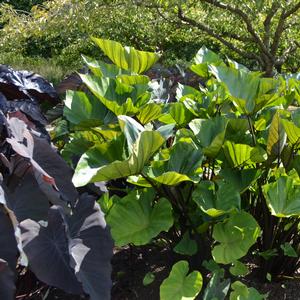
(131, 264)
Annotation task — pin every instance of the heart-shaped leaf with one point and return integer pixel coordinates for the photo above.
(283, 197)
(235, 235)
(180, 285)
(135, 219)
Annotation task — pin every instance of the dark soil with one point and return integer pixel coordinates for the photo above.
(131, 264)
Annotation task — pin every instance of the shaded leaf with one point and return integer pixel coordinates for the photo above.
(186, 246)
(134, 219)
(235, 235)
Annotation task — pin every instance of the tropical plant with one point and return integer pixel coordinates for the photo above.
(45, 224)
(215, 168)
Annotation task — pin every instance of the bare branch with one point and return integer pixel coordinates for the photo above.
(212, 33)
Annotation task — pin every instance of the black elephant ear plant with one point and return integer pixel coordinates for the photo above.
(61, 236)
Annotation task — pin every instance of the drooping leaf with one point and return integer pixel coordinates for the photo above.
(283, 197)
(235, 235)
(93, 167)
(180, 285)
(127, 58)
(277, 136)
(240, 179)
(180, 114)
(121, 99)
(71, 248)
(135, 220)
(185, 159)
(246, 88)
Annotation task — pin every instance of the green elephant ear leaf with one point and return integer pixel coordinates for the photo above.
(180, 114)
(149, 112)
(82, 110)
(95, 166)
(115, 96)
(216, 203)
(204, 57)
(127, 58)
(185, 159)
(239, 155)
(216, 288)
(288, 250)
(277, 136)
(179, 285)
(135, 219)
(292, 131)
(247, 89)
(238, 269)
(131, 129)
(210, 134)
(242, 292)
(186, 246)
(235, 236)
(283, 197)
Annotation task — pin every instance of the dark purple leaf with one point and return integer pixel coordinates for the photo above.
(7, 282)
(91, 247)
(8, 248)
(47, 250)
(26, 85)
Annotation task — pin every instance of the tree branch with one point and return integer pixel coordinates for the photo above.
(290, 50)
(267, 23)
(212, 33)
(281, 25)
(242, 15)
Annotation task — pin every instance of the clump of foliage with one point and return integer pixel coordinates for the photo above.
(45, 224)
(215, 167)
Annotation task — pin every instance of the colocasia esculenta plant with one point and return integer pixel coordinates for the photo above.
(215, 167)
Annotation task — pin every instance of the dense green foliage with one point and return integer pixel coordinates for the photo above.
(215, 168)
(260, 34)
